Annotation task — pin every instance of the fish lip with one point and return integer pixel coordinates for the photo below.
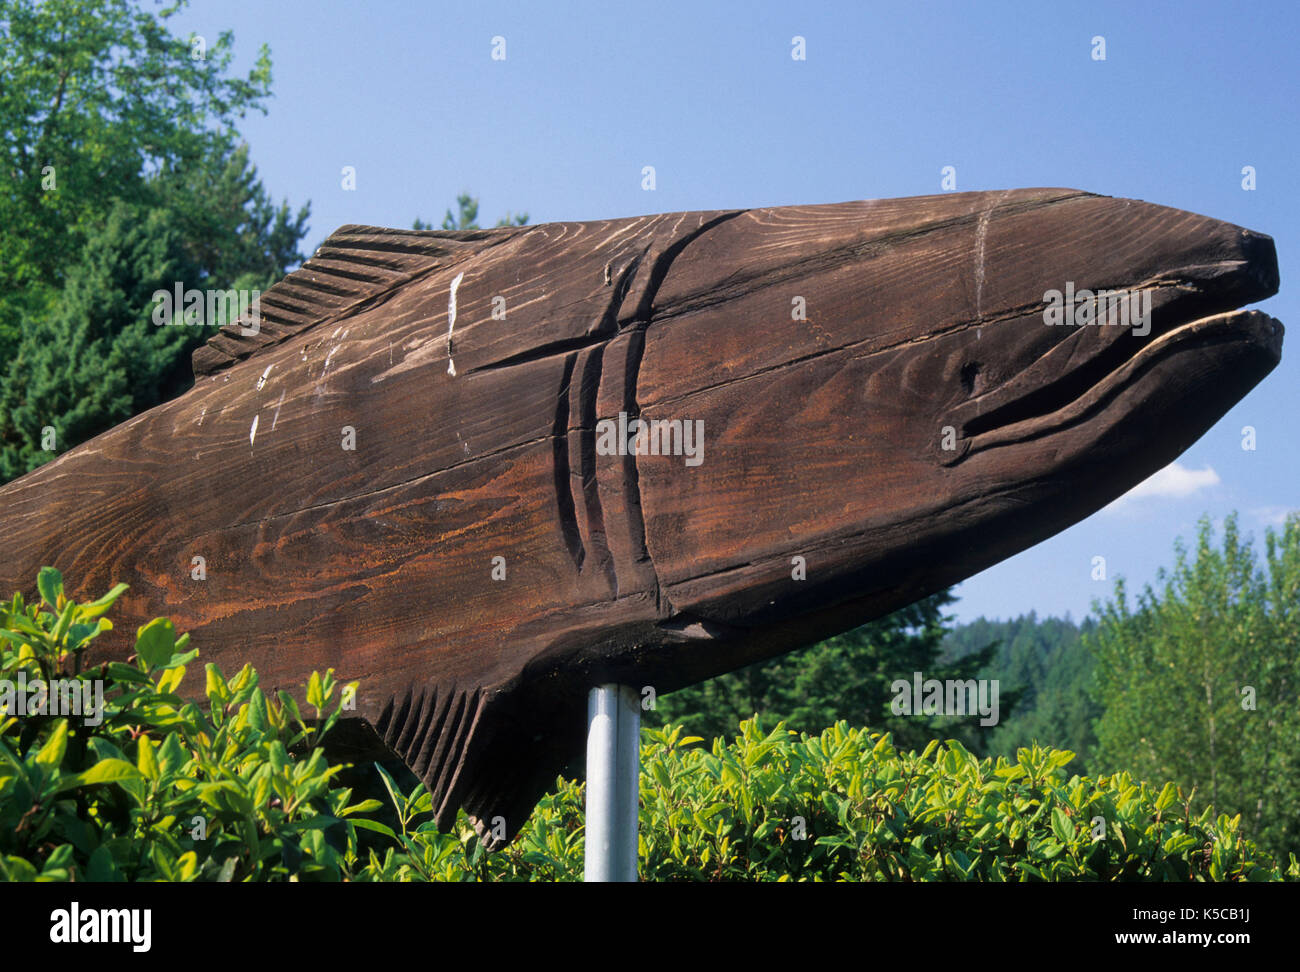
(1228, 269)
(1254, 330)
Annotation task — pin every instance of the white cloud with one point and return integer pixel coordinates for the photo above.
(1175, 481)
(1272, 515)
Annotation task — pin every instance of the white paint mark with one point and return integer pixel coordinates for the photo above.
(252, 432)
(328, 358)
(262, 381)
(451, 321)
(276, 418)
(981, 231)
(201, 414)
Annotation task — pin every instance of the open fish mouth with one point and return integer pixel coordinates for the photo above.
(1196, 316)
(1247, 330)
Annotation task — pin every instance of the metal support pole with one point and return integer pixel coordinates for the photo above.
(613, 775)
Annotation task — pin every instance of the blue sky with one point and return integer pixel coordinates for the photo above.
(707, 93)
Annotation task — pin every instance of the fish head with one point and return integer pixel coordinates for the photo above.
(892, 399)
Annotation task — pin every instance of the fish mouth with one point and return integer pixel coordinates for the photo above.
(1253, 332)
(1195, 318)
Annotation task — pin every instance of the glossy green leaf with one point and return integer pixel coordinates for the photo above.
(155, 643)
(50, 584)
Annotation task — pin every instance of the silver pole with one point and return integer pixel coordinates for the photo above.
(613, 775)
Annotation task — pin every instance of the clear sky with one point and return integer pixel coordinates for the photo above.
(1009, 93)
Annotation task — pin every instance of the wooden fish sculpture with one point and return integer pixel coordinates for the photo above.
(483, 471)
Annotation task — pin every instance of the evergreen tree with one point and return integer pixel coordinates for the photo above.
(1045, 659)
(466, 217)
(127, 177)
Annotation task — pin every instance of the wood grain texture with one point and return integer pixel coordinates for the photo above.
(481, 437)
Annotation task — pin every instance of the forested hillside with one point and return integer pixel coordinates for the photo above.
(1045, 659)
(1041, 665)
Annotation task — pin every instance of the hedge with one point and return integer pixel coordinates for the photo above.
(150, 787)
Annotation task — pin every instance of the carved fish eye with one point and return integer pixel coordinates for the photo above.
(970, 373)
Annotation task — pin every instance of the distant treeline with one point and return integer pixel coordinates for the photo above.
(1046, 662)
(1042, 668)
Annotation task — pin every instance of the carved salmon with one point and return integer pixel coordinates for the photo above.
(425, 468)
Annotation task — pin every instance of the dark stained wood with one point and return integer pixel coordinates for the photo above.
(478, 438)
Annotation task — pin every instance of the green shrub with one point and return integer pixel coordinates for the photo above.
(151, 787)
(845, 805)
(120, 795)
(871, 813)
